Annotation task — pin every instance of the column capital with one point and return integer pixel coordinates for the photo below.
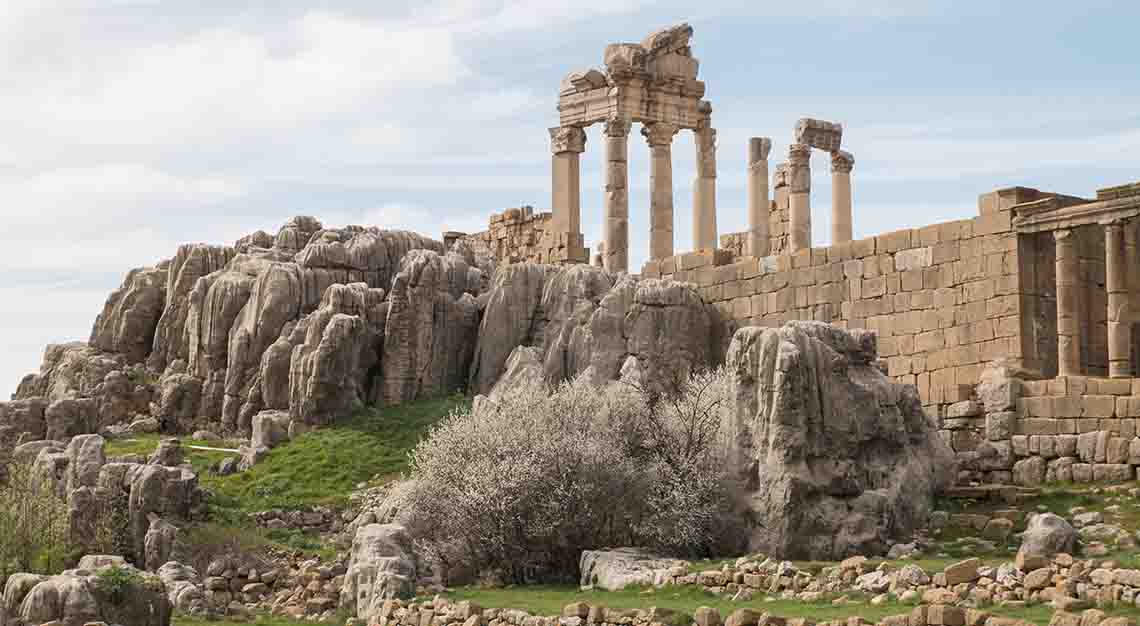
(1063, 235)
(659, 134)
(842, 162)
(758, 150)
(567, 139)
(616, 126)
(799, 155)
(1115, 224)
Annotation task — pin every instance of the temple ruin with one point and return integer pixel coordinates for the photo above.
(1043, 283)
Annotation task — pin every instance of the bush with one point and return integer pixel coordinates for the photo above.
(521, 487)
(36, 532)
(116, 583)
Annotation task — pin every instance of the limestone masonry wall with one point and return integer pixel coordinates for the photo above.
(517, 235)
(944, 299)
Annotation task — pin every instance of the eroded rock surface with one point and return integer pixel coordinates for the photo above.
(837, 459)
(382, 566)
(584, 320)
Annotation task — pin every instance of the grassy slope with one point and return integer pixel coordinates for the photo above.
(321, 467)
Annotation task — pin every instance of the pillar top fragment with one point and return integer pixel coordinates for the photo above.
(842, 161)
(659, 133)
(799, 155)
(567, 139)
(616, 126)
(758, 149)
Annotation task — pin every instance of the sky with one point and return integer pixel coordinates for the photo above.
(128, 127)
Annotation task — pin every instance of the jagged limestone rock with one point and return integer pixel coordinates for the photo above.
(587, 321)
(836, 458)
(74, 598)
(430, 332)
(330, 372)
(130, 316)
(382, 566)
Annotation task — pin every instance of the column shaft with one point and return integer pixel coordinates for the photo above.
(1118, 318)
(660, 138)
(841, 217)
(704, 191)
(1068, 307)
(799, 198)
(616, 254)
(758, 243)
(567, 143)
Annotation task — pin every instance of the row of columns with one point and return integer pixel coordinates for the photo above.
(567, 144)
(793, 187)
(1120, 251)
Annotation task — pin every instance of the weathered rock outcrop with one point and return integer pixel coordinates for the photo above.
(382, 565)
(586, 321)
(430, 332)
(77, 597)
(183, 586)
(129, 318)
(837, 459)
(331, 372)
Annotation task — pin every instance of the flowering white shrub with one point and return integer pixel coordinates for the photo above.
(522, 486)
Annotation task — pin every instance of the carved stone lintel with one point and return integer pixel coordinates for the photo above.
(706, 152)
(659, 134)
(617, 126)
(758, 150)
(567, 139)
(819, 134)
(842, 162)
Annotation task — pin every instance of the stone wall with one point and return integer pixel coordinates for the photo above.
(777, 233)
(945, 299)
(520, 234)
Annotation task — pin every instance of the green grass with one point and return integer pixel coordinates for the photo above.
(321, 467)
(324, 466)
(549, 600)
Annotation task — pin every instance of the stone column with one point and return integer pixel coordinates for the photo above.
(616, 236)
(566, 143)
(1068, 308)
(758, 244)
(1119, 318)
(704, 191)
(660, 139)
(799, 199)
(841, 166)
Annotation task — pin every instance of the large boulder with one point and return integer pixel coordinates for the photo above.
(183, 586)
(114, 593)
(837, 459)
(382, 566)
(1046, 534)
(613, 570)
